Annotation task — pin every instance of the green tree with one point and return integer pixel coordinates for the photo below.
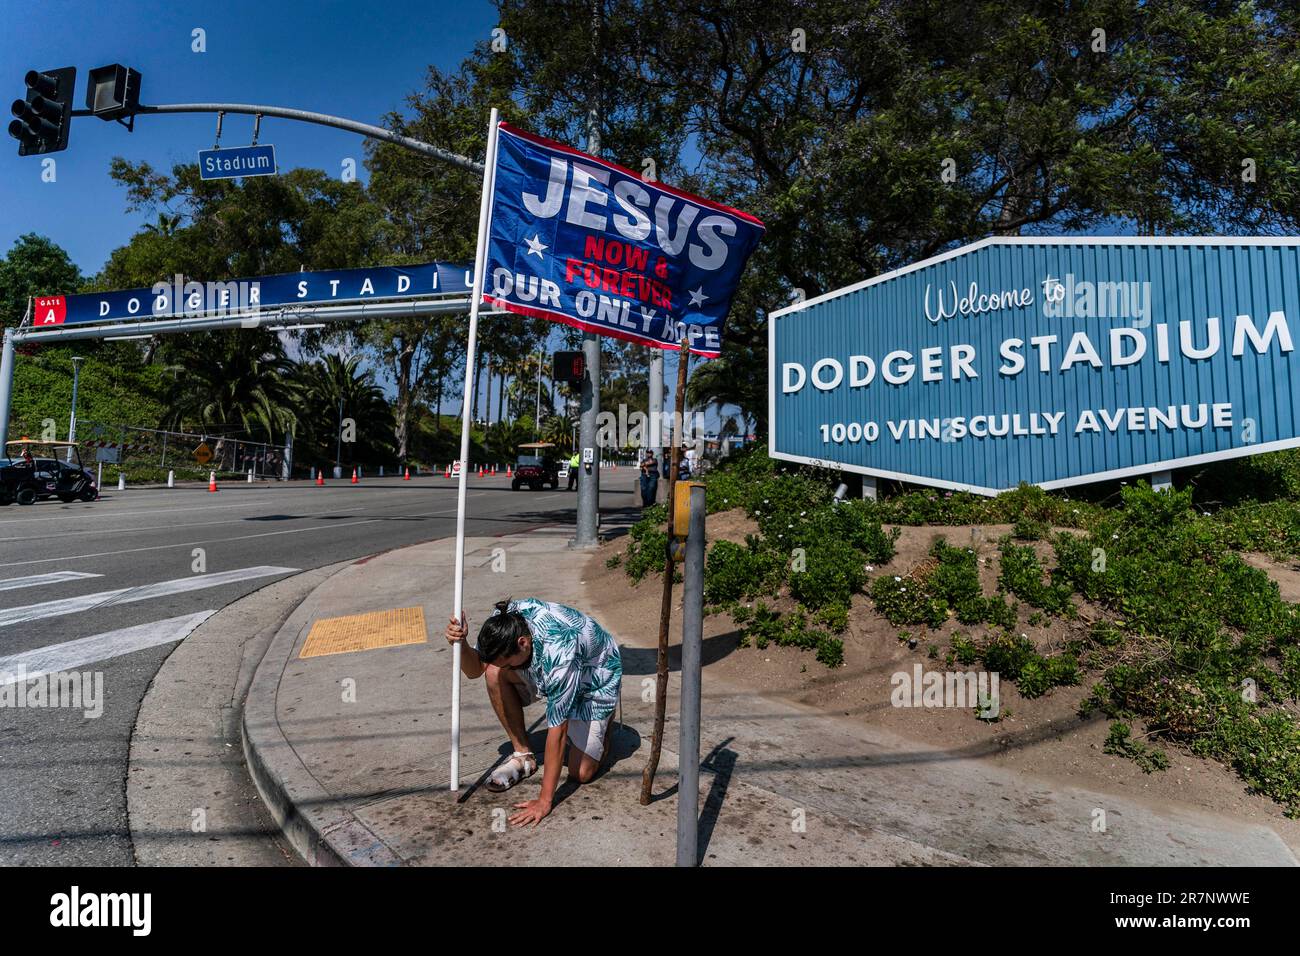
(237, 382)
(334, 387)
(33, 266)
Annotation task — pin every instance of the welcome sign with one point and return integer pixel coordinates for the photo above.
(1049, 361)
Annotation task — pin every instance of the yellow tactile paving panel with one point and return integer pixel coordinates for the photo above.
(365, 632)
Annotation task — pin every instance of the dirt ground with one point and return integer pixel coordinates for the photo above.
(1042, 737)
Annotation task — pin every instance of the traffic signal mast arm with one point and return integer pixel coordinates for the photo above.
(113, 93)
(322, 119)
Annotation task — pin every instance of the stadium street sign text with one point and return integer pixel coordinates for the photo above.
(1049, 361)
(177, 297)
(237, 161)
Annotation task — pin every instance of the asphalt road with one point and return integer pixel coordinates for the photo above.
(120, 576)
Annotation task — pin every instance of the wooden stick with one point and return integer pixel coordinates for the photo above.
(666, 605)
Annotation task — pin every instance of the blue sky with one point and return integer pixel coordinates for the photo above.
(344, 57)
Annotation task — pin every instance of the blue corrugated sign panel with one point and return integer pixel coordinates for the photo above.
(1049, 361)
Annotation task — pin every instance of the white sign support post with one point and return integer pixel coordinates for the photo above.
(476, 296)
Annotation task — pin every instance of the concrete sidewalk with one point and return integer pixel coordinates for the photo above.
(351, 753)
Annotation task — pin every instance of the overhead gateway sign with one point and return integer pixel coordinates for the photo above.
(179, 298)
(1049, 361)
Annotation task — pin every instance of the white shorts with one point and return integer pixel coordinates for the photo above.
(587, 735)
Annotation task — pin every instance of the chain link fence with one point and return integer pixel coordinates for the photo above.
(148, 454)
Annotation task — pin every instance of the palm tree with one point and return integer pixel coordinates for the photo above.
(336, 387)
(558, 430)
(237, 378)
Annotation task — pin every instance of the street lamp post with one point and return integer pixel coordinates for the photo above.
(338, 444)
(72, 419)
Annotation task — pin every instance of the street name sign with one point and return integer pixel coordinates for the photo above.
(235, 162)
(1052, 361)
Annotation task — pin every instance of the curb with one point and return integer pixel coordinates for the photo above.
(319, 831)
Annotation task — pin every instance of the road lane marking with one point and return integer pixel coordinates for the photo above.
(36, 580)
(242, 537)
(288, 496)
(145, 592)
(98, 647)
(82, 533)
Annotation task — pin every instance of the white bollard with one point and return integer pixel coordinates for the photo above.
(99, 475)
(121, 482)
(171, 479)
(381, 471)
(250, 476)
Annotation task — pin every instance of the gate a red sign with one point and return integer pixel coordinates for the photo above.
(49, 310)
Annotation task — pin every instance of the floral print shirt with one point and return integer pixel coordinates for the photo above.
(576, 664)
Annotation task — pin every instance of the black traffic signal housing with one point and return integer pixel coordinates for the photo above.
(113, 93)
(42, 119)
(569, 367)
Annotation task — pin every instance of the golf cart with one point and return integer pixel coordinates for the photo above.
(36, 470)
(536, 465)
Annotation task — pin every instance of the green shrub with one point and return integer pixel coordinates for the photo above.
(857, 524)
(733, 571)
(964, 650)
(1120, 743)
(832, 574)
(648, 542)
(1021, 574)
(834, 616)
(903, 601)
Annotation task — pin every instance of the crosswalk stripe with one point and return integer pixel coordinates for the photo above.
(98, 647)
(102, 599)
(53, 577)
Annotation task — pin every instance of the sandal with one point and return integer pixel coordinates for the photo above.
(516, 769)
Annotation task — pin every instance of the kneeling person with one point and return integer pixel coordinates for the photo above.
(530, 648)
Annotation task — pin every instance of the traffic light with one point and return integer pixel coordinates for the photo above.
(113, 92)
(42, 119)
(569, 367)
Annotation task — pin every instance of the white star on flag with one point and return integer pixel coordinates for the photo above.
(698, 296)
(535, 246)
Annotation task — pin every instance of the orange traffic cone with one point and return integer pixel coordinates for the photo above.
(447, 472)
(320, 478)
(407, 475)
(509, 473)
(480, 471)
(354, 477)
(212, 481)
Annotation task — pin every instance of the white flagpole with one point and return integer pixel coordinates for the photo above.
(480, 257)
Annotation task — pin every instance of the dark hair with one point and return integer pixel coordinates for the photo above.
(500, 633)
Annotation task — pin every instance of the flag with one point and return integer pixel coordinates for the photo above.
(580, 240)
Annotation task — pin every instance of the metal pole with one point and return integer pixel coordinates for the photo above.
(322, 119)
(656, 405)
(537, 412)
(6, 386)
(72, 419)
(338, 441)
(480, 267)
(688, 774)
(589, 482)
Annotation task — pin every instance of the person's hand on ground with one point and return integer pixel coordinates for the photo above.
(531, 812)
(457, 631)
